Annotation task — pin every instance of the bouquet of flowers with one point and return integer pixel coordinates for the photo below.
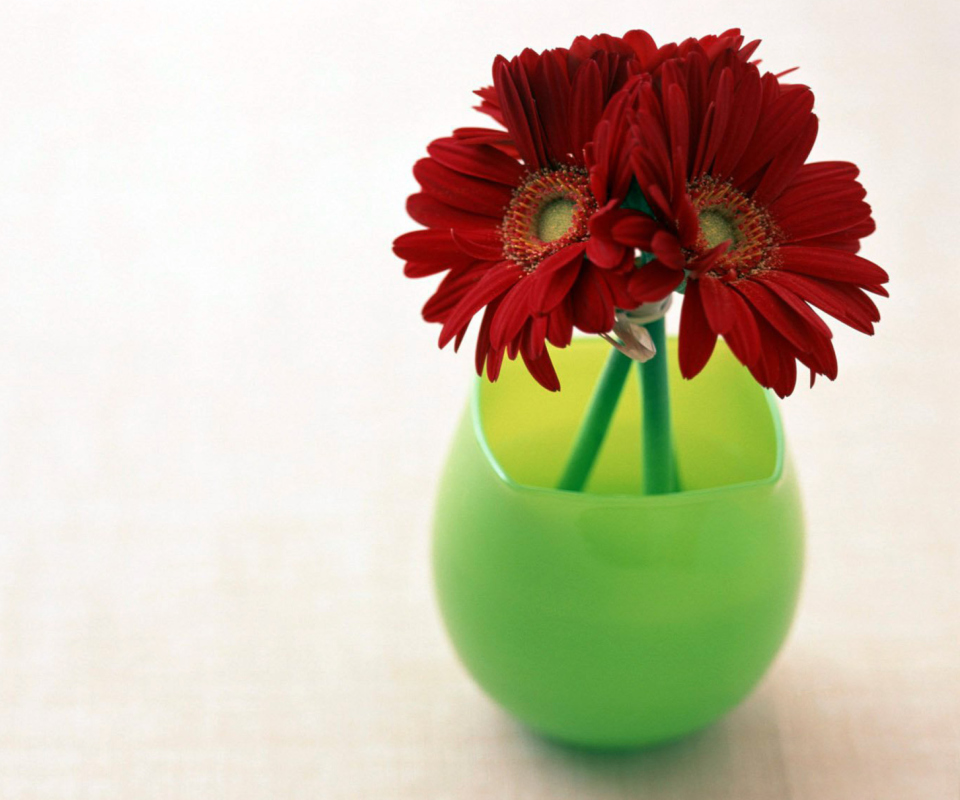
(620, 173)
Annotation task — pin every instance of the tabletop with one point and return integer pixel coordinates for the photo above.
(223, 421)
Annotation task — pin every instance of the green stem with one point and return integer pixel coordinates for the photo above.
(659, 465)
(594, 427)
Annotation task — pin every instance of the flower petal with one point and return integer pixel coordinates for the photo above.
(697, 338)
(835, 265)
(653, 281)
(450, 292)
(843, 302)
(485, 245)
(554, 277)
(745, 111)
(432, 213)
(520, 112)
(593, 309)
(514, 311)
(462, 191)
(542, 370)
(480, 161)
(744, 336)
(497, 280)
(667, 250)
(717, 304)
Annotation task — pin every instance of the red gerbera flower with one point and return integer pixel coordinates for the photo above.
(759, 235)
(508, 214)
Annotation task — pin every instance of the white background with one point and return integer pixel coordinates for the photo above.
(221, 419)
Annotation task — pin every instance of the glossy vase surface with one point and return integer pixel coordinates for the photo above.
(606, 618)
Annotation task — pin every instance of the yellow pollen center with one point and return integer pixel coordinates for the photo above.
(555, 219)
(718, 227)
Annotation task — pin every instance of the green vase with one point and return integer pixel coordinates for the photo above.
(606, 618)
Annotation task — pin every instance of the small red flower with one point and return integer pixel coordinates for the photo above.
(508, 213)
(759, 235)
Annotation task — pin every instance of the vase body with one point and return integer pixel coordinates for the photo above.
(606, 618)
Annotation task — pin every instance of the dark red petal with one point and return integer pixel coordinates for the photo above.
(428, 252)
(777, 368)
(560, 324)
(586, 106)
(697, 71)
(786, 372)
(717, 304)
(516, 308)
(499, 139)
(458, 340)
(744, 336)
(549, 80)
(786, 163)
(480, 161)
(697, 338)
(822, 217)
(677, 117)
(605, 253)
(494, 362)
(658, 201)
(776, 312)
(618, 284)
(520, 114)
(423, 269)
(653, 281)
(432, 213)
(554, 277)
(667, 250)
(462, 191)
(800, 195)
(799, 306)
(808, 342)
(450, 292)
(818, 171)
(841, 301)
(483, 337)
(745, 111)
(780, 124)
(593, 309)
(623, 226)
(643, 45)
(715, 124)
(494, 283)
(484, 245)
(848, 239)
(489, 104)
(835, 265)
(822, 358)
(425, 245)
(534, 340)
(542, 370)
(706, 261)
(636, 230)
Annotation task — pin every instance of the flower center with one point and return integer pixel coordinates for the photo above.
(556, 218)
(549, 211)
(728, 215)
(717, 227)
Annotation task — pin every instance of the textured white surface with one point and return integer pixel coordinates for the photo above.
(222, 420)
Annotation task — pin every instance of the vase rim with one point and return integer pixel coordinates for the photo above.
(706, 493)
